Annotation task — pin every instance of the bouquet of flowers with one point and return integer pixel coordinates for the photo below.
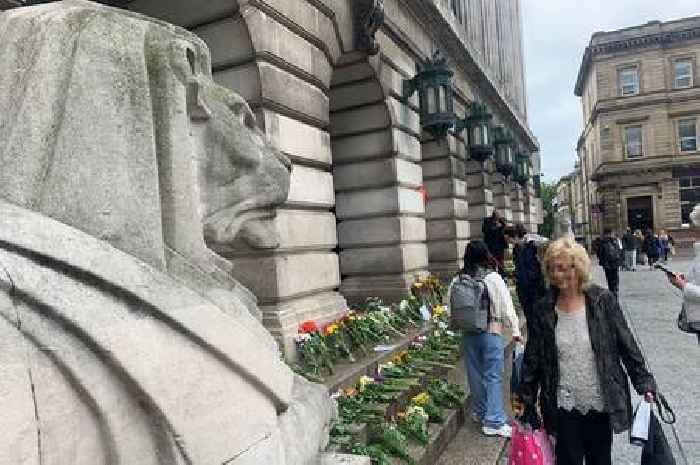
(414, 424)
(335, 339)
(435, 414)
(314, 352)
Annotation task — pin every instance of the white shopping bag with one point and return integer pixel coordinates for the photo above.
(640, 427)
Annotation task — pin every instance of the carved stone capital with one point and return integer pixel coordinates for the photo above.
(368, 18)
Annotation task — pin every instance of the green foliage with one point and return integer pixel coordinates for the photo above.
(549, 193)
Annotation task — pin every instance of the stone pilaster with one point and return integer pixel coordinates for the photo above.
(517, 202)
(379, 206)
(501, 197)
(444, 178)
(479, 197)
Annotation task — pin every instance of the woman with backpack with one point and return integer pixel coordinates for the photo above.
(573, 362)
(478, 289)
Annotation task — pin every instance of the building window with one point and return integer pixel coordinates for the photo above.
(687, 135)
(690, 196)
(633, 141)
(682, 74)
(629, 81)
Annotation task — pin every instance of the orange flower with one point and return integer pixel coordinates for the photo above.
(308, 327)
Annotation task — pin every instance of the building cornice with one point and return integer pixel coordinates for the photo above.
(442, 31)
(650, 165)
(660, 39)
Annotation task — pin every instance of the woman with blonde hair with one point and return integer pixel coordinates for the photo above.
(573, 359)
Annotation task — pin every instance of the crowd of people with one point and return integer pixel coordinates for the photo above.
(578, 340)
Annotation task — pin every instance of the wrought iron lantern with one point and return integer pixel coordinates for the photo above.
(433, 82)
(523, 168)
(537, 183)
(478, 125)
(503, 142)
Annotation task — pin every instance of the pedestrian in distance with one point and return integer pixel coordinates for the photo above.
(651, 247)
(493, 230)
(484, 346)
(529, 277)
(629, 244)
(638, 241)
(609, 257)
(573, 361)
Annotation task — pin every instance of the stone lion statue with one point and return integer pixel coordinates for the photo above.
(123, 337)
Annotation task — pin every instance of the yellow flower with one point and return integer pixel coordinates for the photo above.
(364, 381)
(421, 399)
(418, 284)
(439, 310)
(332, 329)
(349, 392)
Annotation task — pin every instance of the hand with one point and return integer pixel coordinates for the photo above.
(678, 280)
(650, 397)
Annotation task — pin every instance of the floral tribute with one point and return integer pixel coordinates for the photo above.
(401, 400)
(360, 330)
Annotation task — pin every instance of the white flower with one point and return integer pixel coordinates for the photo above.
(337, 394)
(302, 337)
(403, 305)
(450, 333)
(442, 325)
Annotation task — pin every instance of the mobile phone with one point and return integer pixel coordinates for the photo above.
(664, 269)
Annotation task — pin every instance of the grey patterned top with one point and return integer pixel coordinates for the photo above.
(579, 383)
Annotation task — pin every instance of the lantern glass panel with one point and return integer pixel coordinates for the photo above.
(509, 154)
(442, 102)
(432, 101)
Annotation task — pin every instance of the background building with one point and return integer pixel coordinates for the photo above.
(638, 152)
(375, 200)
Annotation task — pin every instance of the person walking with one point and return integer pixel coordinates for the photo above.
(638, 241)
(609, 258)
(529, 278)
(573, 361)
(651, 248)
(484, 351)
(493, 229)
(630, 247)
(665, 242)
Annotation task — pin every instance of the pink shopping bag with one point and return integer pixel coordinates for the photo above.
(529, 447)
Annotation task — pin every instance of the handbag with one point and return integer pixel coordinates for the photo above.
(530, 447)
(685, 325)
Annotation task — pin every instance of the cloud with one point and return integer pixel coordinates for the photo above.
(556, 32)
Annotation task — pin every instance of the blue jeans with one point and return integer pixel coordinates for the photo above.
(484, 359)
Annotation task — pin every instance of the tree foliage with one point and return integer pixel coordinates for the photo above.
(549, 193)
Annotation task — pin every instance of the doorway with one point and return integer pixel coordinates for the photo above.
(640, 213)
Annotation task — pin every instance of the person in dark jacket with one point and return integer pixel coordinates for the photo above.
(529, 278)
(573, 361)
(609, 258)
(493, 230)
(651, 246)
(629, 244)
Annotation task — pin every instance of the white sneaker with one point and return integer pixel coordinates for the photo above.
(504, 431)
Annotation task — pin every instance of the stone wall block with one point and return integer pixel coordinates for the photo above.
(297, 140)
(310, 187)
(379, 202)
(446, 208)
(384, 260)
(377, 174)
(381, 231)
(448, 229)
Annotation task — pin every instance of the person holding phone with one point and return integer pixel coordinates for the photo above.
(573, 361)
(689, 283)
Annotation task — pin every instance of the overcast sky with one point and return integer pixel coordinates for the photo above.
(556, 34)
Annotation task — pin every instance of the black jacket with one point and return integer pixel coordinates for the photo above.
(494, 237)
(530, 283)
(629, 241)
(613, 345)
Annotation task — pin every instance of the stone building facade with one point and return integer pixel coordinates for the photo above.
(638, 152)
(570, 203)
(374, 201)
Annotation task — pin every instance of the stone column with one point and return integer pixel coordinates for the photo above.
(501, 197)
(479, 197)
(444, 178)
(671, 204)
(517, 202)
(530, 209)
(377, 178)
